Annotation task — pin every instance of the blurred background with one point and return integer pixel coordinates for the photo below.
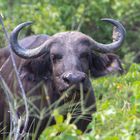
(118, 98)
(52, 16)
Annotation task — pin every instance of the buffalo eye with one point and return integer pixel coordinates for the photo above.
(84, 55)
(85, 42)
(56, 57)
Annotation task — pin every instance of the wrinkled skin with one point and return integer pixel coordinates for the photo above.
(68, 65)
(68, 58)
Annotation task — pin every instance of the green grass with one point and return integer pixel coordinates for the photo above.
(118, 111)
(117, 116)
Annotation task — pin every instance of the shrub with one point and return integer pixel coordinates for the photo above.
(118, 111)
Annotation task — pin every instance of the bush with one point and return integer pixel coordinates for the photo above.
(118, 115)
(51, 16)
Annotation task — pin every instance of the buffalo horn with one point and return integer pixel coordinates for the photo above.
(22, 52)
(105, 48)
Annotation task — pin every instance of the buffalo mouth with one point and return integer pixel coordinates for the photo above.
(73, 91)
(69, 89)
(75, 87)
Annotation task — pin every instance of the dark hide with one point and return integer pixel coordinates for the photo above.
(4, 53)
(103, 64)
(68, 64)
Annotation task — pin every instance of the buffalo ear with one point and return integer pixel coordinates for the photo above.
(103, 64)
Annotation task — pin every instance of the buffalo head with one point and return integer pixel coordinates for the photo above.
(72, 55)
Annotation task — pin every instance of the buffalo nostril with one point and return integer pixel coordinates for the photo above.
(66, 80)
(83, 79)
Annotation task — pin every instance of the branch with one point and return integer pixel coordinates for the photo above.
(18, 79)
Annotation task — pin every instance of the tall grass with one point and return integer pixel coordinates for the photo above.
(117, 116)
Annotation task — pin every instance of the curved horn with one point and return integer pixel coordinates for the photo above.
(112, 46)
(22, 52)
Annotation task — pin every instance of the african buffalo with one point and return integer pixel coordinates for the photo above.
(50, 66)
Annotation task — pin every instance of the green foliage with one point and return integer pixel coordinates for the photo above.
(62, 130)
(118, 111)
(51, 16)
